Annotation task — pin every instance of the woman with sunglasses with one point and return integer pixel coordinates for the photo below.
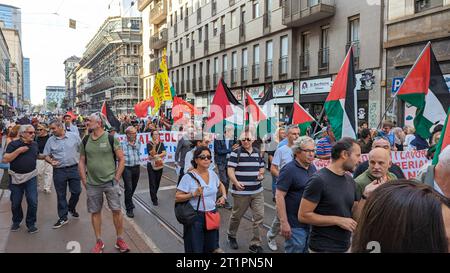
(196, 238)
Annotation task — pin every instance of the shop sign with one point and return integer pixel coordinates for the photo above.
(255, 92)
(283, 90)
(315, 86)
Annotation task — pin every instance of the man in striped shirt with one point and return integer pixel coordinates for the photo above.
(131, 149)
(325, 144)
(246, 171)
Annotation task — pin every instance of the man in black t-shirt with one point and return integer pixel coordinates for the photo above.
(22, 155)
(329, 199)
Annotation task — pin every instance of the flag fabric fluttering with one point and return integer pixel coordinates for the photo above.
(255, 113)
(141, 109)
(224, 110)
(111, 118)
(340, 103)
(302, 118)
(444, 141)
(424, 87)
(162, 90)
(183, 110)
(267, 104)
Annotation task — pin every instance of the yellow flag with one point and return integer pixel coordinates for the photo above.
(157, 93)
(165, 78)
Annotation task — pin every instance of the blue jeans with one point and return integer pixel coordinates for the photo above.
(298, 243)
(63, 178)
(274, 185)
(199, 240)
(17, 192)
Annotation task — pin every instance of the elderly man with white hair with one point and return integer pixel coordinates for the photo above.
(437, 176)
(23, 154)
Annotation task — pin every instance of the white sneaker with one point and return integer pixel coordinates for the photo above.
(271, 243)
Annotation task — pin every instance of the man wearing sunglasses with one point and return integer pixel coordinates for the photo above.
(246, 171)
(22, 155)
(380, 142)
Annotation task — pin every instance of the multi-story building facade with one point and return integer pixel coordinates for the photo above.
(5, 77)
(154, 39)
(112, 59)
(71, 80)
(54, 94)
(296, 45)
(15, 95)
(26, 80)
(424, 20)
(12, 17)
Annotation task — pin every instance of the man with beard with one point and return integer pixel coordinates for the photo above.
(329, 200)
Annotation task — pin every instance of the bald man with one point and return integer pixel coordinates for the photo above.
(379, 164)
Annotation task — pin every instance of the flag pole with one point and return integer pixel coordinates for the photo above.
(407, 75)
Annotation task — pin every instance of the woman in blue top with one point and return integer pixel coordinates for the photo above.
(196, 238)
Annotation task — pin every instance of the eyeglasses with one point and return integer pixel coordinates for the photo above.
(39, 130)
(30, 133)
(246, 139)
(203, 157)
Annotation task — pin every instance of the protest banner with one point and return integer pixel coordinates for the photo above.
(409, 161)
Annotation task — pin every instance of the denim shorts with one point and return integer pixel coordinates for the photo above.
(95, 196)
(298, 243)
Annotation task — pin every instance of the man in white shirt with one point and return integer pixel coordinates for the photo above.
(283, 156)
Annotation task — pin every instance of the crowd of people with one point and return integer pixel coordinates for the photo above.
(339, 208)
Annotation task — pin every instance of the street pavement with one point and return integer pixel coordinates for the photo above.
(153, 229)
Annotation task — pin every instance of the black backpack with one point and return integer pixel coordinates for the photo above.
(111, 143)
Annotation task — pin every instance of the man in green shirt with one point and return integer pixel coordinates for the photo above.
(379, 164)
(97, 157)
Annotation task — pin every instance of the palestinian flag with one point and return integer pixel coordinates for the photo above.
(253, 113)
(444, 141)
(224, 110)
(113, 121)
(302, 118)
(267, 104)
(340, 105)
(425, 88)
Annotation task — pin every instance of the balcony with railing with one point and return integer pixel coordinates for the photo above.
(154, 65)
(200, 83)
(304, 63)
(267, 18)
(192, 52)
(298, 13)
(324, 59)
(241, 33)
(213, 7)
(255, 72)
(159, 12)
(194, 85)
(215, 78)
(199, 15)
(206, 47)
(283, 66)
(356, 52)
(244, 75)
(180, 57)
(208, 82)
(268, 69)
(159, 40)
